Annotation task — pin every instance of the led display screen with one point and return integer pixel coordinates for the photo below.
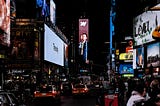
(138, 58)
(146, 27)
(153, 55)
(52, 12)
(53, 47)
(83, 39)
(126, 68)
(5, 22)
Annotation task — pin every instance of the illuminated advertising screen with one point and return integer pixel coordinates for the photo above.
(13, 10)
(22, 42)
(126, 68)
(146, 27)
(53, 47)
(153, 55)
(5, 22)
(138, 58)
(126, 56)
(42, 8)
(52, 12)
(83, 39)
(129, 47)
(66, 55)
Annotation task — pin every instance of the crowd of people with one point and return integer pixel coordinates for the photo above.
(135, 91)
(139, 91)
(144, 93)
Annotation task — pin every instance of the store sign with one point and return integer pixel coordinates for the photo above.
(126, 56)
(2, 56)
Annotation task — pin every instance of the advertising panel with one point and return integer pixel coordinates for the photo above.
(22, 42)
(126, 56)
(24, 45)
(13, 10)
(146, 27)
(53, 47)
(66, 55)
(153, 55)
(138, 58)
(129, 48)
(83, 39)
(42, 9)
(126, 68)
(5, 22)
(52, 12)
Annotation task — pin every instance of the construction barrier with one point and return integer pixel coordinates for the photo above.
(111, 99)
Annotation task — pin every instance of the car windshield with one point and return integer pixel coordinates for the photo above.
(45, 88)
(79, 86)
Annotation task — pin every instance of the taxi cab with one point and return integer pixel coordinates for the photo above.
(47, 91)
(80, 89)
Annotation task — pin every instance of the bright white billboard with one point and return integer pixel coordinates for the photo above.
(144, 27)
(53, 47)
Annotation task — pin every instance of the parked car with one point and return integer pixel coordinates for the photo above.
(8, 99)
(80, 89)
(48, 91)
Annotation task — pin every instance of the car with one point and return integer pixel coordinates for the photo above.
(8, 99)
(80, 89)
(47, 91)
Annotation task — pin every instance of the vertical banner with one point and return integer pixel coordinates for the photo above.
(5, 22)
(83, 39)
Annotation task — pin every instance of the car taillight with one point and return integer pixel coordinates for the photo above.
(86, 89)
(35, 92)
(53, 92)
(74, 89)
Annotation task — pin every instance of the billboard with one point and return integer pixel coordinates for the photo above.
(126, 68)
(42, 9)
(83, 39)
(53, 47)
(46, 10)
(52, 12)
(153, 54)
(13, 10)
(138, 58)
(146, 27)
(22, 42)
(66, 55)
(129, 47)
(5, 22)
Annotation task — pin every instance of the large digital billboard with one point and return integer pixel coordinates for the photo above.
(53, 47)
(126, 68)
(83, 39)
(42, 9)
(5, 22)
(66, 55)
(153, 55)
(22, 42)
(52, 12)
(138, 58)
(146, 27)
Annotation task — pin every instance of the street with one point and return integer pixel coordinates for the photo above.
(67, 101)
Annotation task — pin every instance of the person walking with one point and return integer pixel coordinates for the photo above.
(137, 95)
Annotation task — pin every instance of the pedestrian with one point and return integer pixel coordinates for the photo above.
(137, 94)
(154, 93)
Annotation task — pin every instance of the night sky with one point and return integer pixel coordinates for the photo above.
(97, 11)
